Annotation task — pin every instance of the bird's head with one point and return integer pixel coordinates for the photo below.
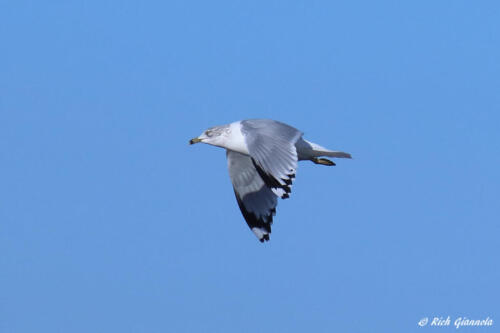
(213, 136)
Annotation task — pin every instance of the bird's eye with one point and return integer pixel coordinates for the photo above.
(209, 133)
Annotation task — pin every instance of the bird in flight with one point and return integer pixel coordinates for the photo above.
(262, 156)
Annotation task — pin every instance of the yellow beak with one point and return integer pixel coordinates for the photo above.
(193, 141)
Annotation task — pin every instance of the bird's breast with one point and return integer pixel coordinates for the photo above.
(235, 139)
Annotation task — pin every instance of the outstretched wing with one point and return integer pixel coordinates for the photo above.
(256, 200)
(271, 146)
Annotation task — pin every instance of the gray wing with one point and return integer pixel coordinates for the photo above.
(271, 145)
(256, 200)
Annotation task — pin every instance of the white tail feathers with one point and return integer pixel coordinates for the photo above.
(332, 153)
(307, 150)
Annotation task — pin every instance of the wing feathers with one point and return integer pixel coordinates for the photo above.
(268, 171)
(256, 200)
(271, 145)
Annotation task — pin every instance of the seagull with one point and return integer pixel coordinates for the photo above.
(262, 156)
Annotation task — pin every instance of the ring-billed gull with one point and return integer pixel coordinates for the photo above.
(262, 156)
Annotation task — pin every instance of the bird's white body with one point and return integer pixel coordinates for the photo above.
(232, 138)
(235, 140)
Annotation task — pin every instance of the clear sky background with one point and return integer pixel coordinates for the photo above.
(110, 222)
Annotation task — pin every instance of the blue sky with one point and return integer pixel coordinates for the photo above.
(110, 222)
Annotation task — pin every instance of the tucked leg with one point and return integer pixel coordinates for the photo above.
(323, 161)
